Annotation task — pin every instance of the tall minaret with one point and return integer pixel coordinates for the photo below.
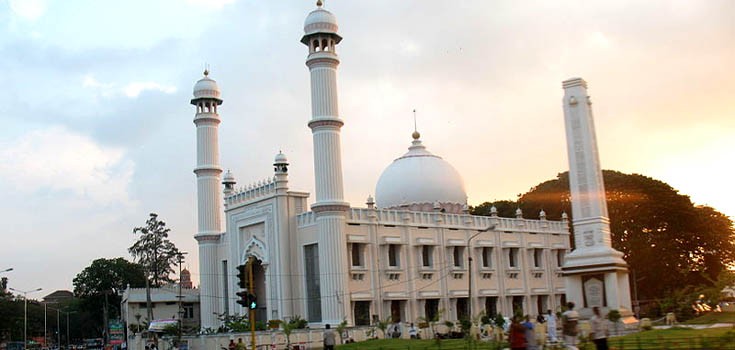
(595, 273)
(320, 35)
(209, 198)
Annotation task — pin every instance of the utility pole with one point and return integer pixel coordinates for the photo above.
(181, 311)
(469, 269)
(251, 289)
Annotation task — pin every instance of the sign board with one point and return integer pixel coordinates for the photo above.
(117, 332)
(160, 325)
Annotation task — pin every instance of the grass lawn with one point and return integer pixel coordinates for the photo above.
(674, 338)
(713, 317)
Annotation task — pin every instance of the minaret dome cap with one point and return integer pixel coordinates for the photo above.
(320, 21)
(280, 158)
(206, 87)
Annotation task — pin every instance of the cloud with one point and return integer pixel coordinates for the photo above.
(58, 162)
(132, 89)
(212, 4)
(28, 9)
(135, 88)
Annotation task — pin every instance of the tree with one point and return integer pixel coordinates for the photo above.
(154, 251)
(104, 279)
(653, 225)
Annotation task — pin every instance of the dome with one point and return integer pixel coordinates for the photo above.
(206, 87)
(421, 180)
(229, 178)
(280, 158)
(320, 21)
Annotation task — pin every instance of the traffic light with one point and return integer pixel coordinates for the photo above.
(252, 301)
(242, 276)
(244, 298)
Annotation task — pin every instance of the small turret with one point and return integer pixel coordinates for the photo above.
(519, 213)
(493, 211)
(280, 167)
(229, 182)
(542, 215)
(370, 202)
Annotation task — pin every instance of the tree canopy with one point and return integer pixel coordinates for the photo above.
(104, 278)
(154, 251)
(667, 240)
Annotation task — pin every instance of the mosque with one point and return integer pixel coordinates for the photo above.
(411, 252)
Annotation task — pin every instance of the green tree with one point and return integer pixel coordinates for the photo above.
(156, 254)
(102, 279)
(657, 229)
(154, 251)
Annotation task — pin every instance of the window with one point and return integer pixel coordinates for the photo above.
(362, 313)
(491, 306)
(559, 257)
(462, 308)
(487, 256)
(394, 259)
(225, 286)
(358, 257)
(457, 254)
(431, 309)
(313, 294)
(427, 256)
(538, 258)
(513, 257)
(188, 311)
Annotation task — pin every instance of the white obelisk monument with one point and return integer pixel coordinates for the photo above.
(595, 274)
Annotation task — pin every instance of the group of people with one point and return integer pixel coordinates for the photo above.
(236, 346)
(522, 335)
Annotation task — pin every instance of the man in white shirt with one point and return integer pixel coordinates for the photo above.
(570, 326)
(551, 325)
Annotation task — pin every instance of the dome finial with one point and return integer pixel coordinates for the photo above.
(416, 135)
(319, 3)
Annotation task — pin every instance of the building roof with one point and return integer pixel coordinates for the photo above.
(161, 295)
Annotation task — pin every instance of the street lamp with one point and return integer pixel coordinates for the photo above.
(469, 268)
(25, 312)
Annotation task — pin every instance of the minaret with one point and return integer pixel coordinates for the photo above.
(320, 35)
(595, 274)
(209, 198)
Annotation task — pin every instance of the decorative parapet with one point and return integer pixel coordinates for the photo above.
(255, 190)
(452, 221)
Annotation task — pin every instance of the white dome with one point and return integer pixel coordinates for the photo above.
(320, 21)
(206, 87)
(419, 179)
(280, 158)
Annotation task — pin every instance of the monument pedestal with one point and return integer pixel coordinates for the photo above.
(604, 284)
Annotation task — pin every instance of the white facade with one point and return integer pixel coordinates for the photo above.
(404, 259)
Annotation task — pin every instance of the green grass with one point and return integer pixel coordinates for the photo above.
(419, 344)
(673, 338)
(713, 317)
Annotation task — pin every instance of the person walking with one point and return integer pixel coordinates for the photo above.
(530, 334)
(240, 345)
(517, 335)
(599, 329)
(330, 338)
(570, 326)
(551, 326)
(231, 345)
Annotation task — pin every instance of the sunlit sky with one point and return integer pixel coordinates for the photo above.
(97, 130)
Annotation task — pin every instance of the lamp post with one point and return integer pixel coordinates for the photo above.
(181, 311)
(469, 268)
(25, 312)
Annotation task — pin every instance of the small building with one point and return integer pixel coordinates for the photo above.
(164, 305)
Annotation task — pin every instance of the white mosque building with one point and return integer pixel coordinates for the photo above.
(409, 253)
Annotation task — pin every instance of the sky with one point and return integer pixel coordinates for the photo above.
(97, 127)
